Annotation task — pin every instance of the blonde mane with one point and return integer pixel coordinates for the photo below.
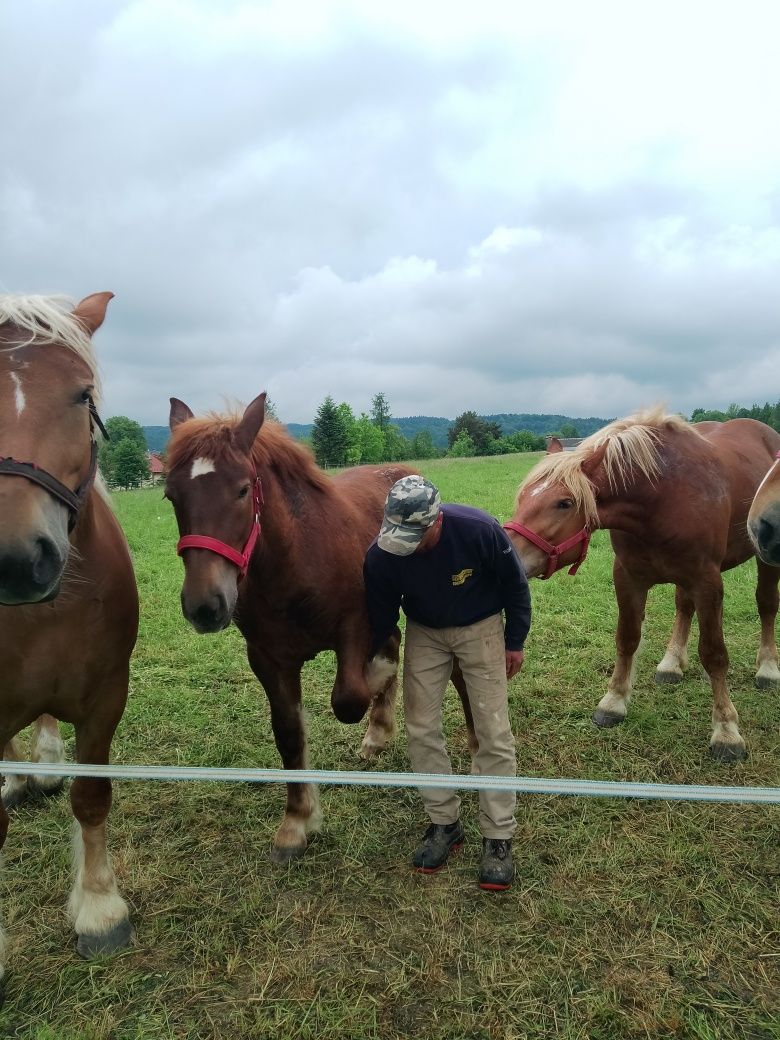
(632, 447)
(49, 319)
(274, 447)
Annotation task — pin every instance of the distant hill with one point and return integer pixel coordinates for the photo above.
(509, 423)
(436, 425)
(156, 437)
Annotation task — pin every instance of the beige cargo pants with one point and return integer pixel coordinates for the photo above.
(428, 659)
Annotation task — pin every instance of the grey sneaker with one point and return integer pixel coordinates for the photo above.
(438, 842)
(496, 871)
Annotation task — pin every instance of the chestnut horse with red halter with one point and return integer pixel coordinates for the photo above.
(764, 516)
(68, 600)
(270, 541)
(675, 499)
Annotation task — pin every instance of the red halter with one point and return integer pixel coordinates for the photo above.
(554, 552)
(239, 559)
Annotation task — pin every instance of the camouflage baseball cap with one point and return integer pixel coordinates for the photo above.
(412, 505)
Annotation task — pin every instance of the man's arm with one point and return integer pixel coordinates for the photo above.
(515, 594)
(383, 600)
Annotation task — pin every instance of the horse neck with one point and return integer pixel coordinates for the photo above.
(286, 510)
(627, 509)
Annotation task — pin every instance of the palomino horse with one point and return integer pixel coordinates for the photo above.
(294, 589)
(675, 499)
(764, 516)
(68, 600)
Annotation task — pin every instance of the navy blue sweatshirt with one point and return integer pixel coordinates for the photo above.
(472, 573)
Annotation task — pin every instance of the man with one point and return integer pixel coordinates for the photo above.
(453, 570)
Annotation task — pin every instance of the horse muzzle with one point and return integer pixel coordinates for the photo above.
(764, 532)
(31, 573)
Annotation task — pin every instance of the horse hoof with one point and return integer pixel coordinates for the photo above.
(668, 678)
(607, 719)
(37, 789)
(13, 799)
(281, 856)
(728, 753)
(89, 946)
(766, 682)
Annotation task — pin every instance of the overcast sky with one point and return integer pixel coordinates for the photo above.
(537, 207)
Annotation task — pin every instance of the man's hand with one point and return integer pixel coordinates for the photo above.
(514, 662)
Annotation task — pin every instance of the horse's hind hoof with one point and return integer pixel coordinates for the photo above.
(89, 946)
(37, 790)
(728, 753)
(607, 719)
(766, 682)
(13, 799)
(282, 856)
(668, 678)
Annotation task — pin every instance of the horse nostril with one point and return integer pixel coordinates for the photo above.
(211, 613)
(766, 531)
(46, 561)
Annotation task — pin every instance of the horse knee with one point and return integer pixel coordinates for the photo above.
(90, 799)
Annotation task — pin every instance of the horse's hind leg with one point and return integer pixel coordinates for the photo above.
(459, 683)
(14, 785)
(302, 811)
(382, 677)
(726, 743)
(100, 915)
(675, 661)
(768, 674)
(631, 599)
(47, 747)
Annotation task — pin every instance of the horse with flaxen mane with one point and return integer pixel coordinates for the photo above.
(68, 600)
(764, 516)
(293, 588)
(675, 499)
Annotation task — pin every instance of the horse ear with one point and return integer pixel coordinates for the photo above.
(91, 312)
(554, 446)
(592, 463)
(180, 413)
(250, 424)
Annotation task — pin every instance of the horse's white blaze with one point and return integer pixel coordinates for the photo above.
(95, 905)
(202, 466)
(540, 488)
(19, 398)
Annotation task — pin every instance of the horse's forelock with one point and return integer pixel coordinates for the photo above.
(49, 319)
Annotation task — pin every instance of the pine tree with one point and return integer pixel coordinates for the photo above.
(329, 435)
(380, 411)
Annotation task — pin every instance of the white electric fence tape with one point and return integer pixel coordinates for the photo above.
(359, 778)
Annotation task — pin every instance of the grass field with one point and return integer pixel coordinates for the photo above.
(628, 919)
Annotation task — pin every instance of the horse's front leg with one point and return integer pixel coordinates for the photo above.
(768, 674)
(302, 810)
(3, 832)
(381, 675)
(631, 600)
(99, 913)
(675, 660)
(726, 743)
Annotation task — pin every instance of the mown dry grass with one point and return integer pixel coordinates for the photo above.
(628, 919)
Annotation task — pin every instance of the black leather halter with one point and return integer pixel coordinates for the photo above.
(74, 500)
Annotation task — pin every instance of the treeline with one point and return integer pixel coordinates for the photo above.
(339, 438)
(765, 413)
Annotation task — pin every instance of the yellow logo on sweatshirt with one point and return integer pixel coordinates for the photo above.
(460, 577)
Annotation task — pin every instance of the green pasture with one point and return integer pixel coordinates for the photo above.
(628, 919)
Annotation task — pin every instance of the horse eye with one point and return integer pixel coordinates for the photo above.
(564, 503)
(244, 492)
(86, 397)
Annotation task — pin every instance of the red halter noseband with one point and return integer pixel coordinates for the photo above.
(554, 552)
(239, 559)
